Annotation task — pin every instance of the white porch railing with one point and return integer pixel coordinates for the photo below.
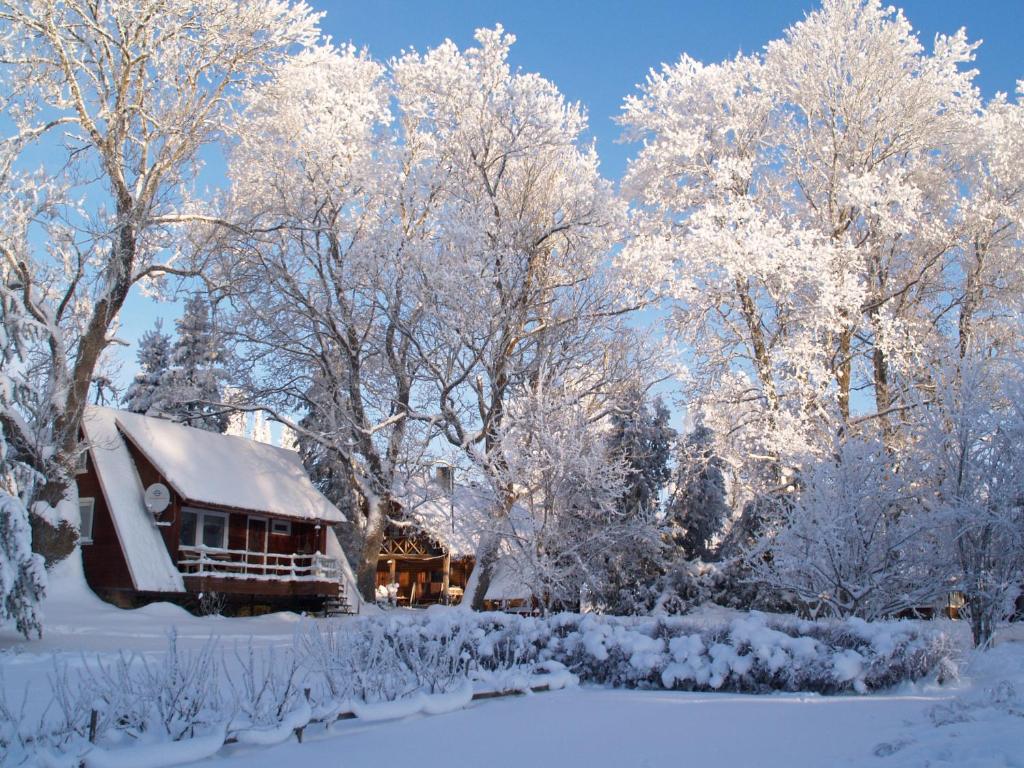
(258, 566)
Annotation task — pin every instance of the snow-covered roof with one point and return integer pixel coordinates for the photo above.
(458, 519)
(509, 580)
(227, 471)
(148, 561)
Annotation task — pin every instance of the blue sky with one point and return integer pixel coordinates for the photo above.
(596, 52)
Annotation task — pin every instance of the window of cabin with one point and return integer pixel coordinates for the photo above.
(281, 527)
(85, 512)
(82, 463)
(202, 528)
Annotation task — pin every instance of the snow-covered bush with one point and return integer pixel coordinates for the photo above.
(212, 603)
(173, 699)
(267, 687)
(123, 712)
(855, 541)
(387, 595)
(750, 652)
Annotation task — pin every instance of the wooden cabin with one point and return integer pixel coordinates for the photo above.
(428, 553)
(171, 512)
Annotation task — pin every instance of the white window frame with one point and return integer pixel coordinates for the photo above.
(85, 537)
(201, 514)
(82, 462)
(287, 527)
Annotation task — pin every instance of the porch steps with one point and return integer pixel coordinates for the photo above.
(338, 605)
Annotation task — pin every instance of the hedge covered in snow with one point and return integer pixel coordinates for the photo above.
(722, 651)
(134, 710)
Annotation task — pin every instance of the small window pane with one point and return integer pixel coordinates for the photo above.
(189, 522)
(281, 526)
(214, 530)
(85, 510)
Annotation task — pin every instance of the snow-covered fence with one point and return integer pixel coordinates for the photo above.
(142, 712)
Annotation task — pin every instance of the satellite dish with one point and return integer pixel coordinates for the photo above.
(158, 498)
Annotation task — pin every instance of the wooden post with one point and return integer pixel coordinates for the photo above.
(300, 730)
(392, 571)
(93, 718)
(446, 570)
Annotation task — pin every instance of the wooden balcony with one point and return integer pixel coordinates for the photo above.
(268, 573)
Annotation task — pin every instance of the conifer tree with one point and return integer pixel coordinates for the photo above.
(154, 358)
(698, 508)
(643, 439)
(197, 371)
(22, 576)
(261, 429)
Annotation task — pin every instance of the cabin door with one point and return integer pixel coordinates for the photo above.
(256, 545)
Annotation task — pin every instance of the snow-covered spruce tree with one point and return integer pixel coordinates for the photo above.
(331, 473)
(698, 508)
(22, 575)
(191, 391)
(261, 429)
(119, 98)
(856, 539)
(577, 533)
(154, 358)
(641, 438)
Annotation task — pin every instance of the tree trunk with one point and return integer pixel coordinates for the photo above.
(844, 374)
(373, 539)
(483, 572)
(981, 626)
(971, 299)
(759, 347)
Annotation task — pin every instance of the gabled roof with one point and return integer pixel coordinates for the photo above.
(457, 520)
(226, 471)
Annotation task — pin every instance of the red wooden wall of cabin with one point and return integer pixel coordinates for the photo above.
(103, 560)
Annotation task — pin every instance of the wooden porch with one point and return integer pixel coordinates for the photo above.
(425, 572)
(243, 572)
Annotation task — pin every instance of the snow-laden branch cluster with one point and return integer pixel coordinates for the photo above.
(827, 220)
(422, 246)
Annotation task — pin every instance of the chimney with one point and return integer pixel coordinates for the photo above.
(444, 476)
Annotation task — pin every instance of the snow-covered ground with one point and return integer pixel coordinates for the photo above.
(964, 726)
(977, 722)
